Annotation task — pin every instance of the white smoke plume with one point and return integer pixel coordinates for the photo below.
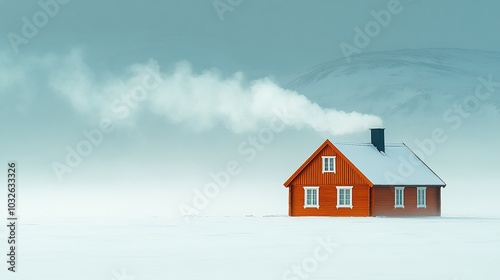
(199, 100)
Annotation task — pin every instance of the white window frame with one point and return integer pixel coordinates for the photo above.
(338, 197)
(396, 189)
(424, 205)
(324, 167)
(317, 197)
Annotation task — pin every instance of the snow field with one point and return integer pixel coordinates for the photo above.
(257, 248)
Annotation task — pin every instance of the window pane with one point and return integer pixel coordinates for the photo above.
(399, 197)
(331, 164)
(311, 198)
(421, 197)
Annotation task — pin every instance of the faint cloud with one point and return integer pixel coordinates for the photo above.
(364, 35)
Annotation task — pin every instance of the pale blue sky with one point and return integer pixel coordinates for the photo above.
(256, 35)
(276, 39)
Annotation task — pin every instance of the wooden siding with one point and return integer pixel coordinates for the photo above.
(382, 202)
(312, 174)
(328, 201)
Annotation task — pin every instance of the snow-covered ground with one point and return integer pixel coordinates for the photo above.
(257, 248)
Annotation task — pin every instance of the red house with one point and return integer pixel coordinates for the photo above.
(358, 179)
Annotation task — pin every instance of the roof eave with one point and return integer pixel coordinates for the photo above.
(444, 183)
(308, 160)
(409, 185)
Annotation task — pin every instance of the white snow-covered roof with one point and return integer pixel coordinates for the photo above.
(397, 166)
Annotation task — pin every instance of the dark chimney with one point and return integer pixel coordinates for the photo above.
(378, 139)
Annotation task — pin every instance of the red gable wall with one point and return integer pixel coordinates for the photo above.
(310, 174)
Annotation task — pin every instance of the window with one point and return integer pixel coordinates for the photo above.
(344, 197)
(311, 197)
(421, 197)
(328, 164)
(399, 199)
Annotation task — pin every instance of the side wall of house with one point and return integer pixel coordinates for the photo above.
(383, 199)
